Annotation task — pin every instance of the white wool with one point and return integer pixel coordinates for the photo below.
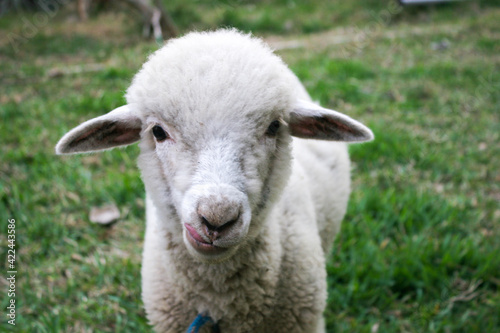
(228, 171)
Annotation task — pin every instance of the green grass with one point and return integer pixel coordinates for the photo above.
(418, 251)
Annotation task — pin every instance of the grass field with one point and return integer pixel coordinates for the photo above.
(419, 249)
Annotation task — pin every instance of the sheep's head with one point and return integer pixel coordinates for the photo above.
(215, 114)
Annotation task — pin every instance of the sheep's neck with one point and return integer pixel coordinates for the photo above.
(251, 274)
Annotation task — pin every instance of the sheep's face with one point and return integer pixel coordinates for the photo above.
(215, 174)
(215, 114)
(214, 138)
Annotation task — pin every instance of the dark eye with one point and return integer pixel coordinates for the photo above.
(159, 133)
(273, 128)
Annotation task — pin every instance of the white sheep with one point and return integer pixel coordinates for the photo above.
(239, 215)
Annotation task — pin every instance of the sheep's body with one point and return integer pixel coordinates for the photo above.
(258, 267)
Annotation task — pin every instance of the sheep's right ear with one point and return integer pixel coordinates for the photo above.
(116, 128)
(310, 121)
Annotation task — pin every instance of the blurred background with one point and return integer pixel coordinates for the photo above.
(419, 247)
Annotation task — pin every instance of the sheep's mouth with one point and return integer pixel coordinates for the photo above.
(199, 244)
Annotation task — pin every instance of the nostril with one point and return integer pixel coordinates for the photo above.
(209, 225)
(217, 227)
(230, 223)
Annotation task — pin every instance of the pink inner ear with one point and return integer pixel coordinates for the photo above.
(129, 135)
(323, 128)
(85, 135)
(106, 134)
(342, 126)
(316, 127)
(302, 131)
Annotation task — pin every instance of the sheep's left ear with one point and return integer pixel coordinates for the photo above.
(310, 121)
(119, 127)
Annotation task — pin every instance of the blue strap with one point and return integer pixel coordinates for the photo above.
(200, 321)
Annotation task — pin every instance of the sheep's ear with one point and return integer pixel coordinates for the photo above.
(116, 128)
(310, 121)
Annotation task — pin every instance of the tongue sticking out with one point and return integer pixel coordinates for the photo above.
(192, 231)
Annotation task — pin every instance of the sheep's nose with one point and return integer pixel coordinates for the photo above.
(218, 216)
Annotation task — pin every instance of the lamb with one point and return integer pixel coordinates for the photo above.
(240, 206)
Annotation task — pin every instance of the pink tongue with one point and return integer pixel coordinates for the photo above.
(194, 234)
